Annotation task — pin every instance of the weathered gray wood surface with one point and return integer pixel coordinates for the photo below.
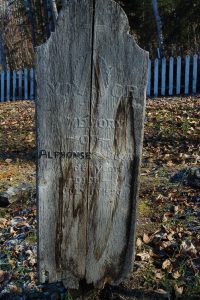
(91, 86)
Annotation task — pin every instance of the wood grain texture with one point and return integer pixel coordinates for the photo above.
(91, 87)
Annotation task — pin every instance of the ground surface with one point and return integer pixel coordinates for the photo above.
(168, 240)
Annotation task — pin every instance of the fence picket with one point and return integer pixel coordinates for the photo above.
(32, 84)
(156, 77)
(149, 79)
(20, 84)
(171, 75)
(14, 85)
(163, 79)
(2, 85)
(23, 81)
(194, 78)
(8, 86)
(187, 74)
(178, 76)
(25, 84)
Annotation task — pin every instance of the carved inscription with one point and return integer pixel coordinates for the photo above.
(67, 89)
(103, 175)
(79, 122)
(63, 155)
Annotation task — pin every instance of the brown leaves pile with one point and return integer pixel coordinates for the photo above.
(168, 247)
(168, 244)
(170, 255)
(17, 127)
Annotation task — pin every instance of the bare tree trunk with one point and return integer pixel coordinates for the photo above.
(54, 10)
(2, 54)
(2, 18)
(28, 5)
(158, 25)
(47, 24)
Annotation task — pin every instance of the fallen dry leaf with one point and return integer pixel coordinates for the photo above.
(13, 288)
(3, 222)
(159, 275)
(188, 248)
(176, 275)
(8, 160)
(144, 256)
(2, 273)
(175, 208)
(162, 292)
(170, 237)
(167, 215)
(139, 242)
(21, 224)
(32, 276)
(166, 264)
(160, 199)
(146, 238)
(178, 290)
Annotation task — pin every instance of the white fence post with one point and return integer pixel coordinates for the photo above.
(2, 85)
(178, 75)
(187, 74)
(171, 75)
(20, 84)
(32, 84)
(14, 85)
(163, 78)
(194, 78)
(26, 84)
(156, 77)
(8, 85)
(149, 79)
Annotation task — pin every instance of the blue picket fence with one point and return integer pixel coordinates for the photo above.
(166, 77)
(175, 76)
(17, 85)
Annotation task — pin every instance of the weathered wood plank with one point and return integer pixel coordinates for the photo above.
(178, 75)
(14, 85)
(117, 112)
(8, 85)
(91, 86)
(32, 83)
(2, 85)
(187, 74)
(171, 75)
(20, 84)
(194, 77)
(63, 105)
(163, 78)
(149, 79)
(156, 65)
(25, 84)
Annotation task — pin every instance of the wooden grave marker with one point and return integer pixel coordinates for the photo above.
(91, 87)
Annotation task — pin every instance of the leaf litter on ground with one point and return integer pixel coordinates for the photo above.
(168, 239)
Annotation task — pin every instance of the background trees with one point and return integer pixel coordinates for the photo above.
(180, 25)
(171, 25)
(2, 18)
